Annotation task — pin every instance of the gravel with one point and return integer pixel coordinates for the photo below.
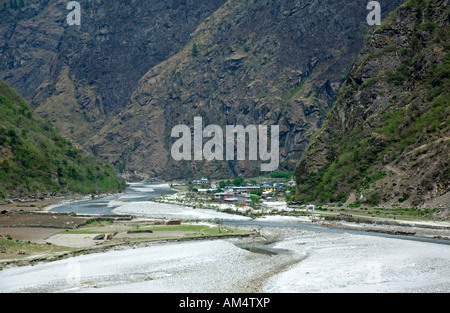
(204, 266)
(307, 261)
(357, 263)
(172, 211)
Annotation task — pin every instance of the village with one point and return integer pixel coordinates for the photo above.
(269, 196)
(276, 195)
(240, 192)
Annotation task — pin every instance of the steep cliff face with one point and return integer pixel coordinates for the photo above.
(118, 83)
(251, 62)
(386, 140)
(80, 76)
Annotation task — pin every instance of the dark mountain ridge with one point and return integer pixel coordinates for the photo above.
(255, 63)
(80, 76)
(133, 70)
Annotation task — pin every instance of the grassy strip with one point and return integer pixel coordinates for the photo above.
(18, 251)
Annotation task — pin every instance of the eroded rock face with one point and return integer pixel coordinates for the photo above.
(386, 139)
(119, 83)
(81, 76)
(273, 63)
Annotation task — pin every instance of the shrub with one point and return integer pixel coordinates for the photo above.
(373, 199)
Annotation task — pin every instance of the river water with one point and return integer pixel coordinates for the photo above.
(304, 258)
(135, 193)
(135, 201)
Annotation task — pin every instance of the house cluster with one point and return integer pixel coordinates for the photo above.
(243, 195)
(200, 182)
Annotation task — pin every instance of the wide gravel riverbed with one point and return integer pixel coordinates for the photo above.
(283, 259)
(296, 261)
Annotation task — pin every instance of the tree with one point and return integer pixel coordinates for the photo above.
(194, 50)
(256, 192)
(255, 201)
(238, 181)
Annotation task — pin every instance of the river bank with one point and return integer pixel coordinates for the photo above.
(298, 261)
(284, 253)
(33, 237)
(35, 227)
(439, 229)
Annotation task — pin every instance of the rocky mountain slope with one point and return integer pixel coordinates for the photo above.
(386, 140)
(36, 159)
(118, 83)
(249, 63)
(80, 76)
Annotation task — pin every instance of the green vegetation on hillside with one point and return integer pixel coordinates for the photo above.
(415, 121)
(35, 158)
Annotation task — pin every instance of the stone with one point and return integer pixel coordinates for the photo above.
(99, 237)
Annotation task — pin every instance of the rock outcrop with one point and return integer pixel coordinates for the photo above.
(80, 77)
(386, 140)
(249, 63)
(118, 83)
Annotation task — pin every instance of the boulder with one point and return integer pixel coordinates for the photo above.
(99, 237)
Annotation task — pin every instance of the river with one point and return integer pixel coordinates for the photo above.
(304, 258)
(135, 201)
